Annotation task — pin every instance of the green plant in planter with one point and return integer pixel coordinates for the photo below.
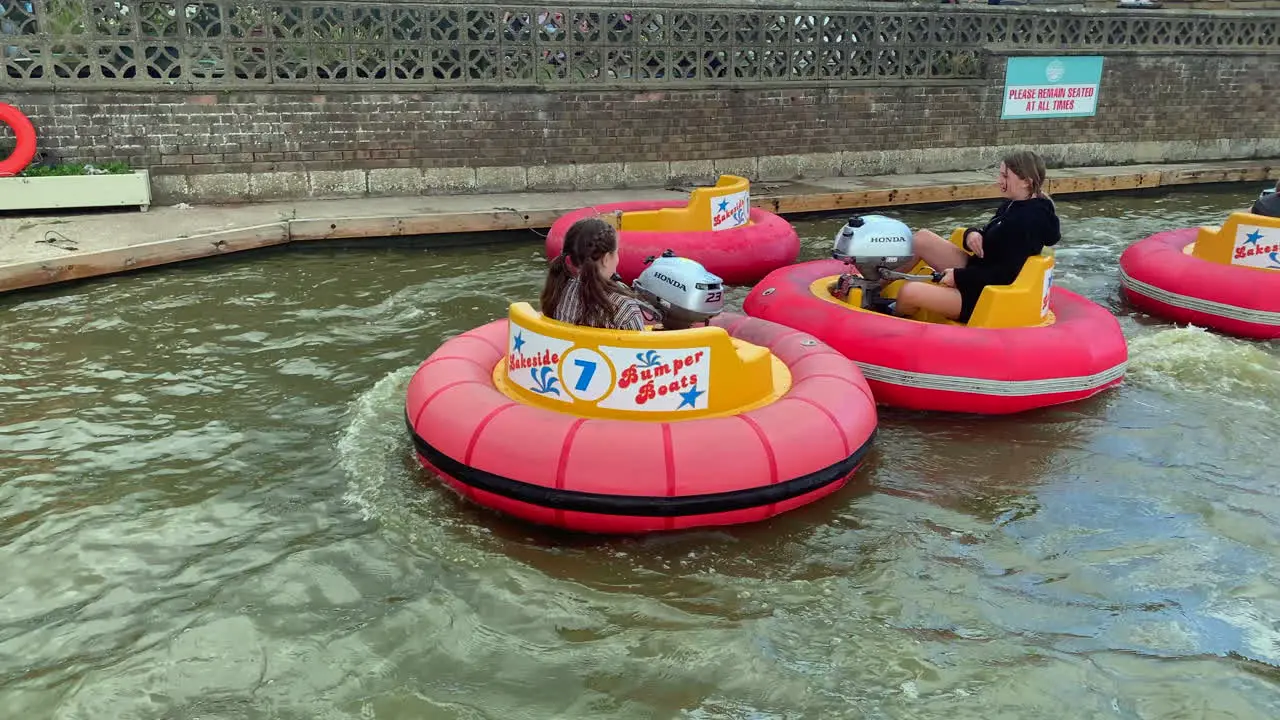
(72, 169)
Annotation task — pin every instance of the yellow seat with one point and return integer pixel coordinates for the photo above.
(723, 206)
(1022, 303)
(1245, 240)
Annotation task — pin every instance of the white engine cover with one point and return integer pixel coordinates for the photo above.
(873, 238)
(681, 289)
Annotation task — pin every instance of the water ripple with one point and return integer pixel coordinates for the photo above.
(209, 508)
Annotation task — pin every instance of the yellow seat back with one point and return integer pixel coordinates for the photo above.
(724, 206)
(634, 375)
(1023, 303)
(1245, 239)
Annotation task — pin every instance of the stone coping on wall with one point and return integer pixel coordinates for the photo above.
(49, 249)
(389, 182)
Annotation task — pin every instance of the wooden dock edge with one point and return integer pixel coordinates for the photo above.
(78, 266)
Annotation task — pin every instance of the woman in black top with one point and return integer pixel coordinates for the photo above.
(1268, 203)
(1023, 225)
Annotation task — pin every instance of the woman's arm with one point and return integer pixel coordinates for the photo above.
(975, 245)
(1022, 233)
(1051, 230)
(630, 315)
(1037, 228)
(975, 248)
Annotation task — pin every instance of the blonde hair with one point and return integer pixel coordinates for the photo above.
(1030, 167)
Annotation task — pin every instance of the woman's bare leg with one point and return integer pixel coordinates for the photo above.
(917, 295)
(939, 252)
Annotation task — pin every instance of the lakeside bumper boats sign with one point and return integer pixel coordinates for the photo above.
(1048, 87)
(1257, 247)
(615, 378)
(730, 211)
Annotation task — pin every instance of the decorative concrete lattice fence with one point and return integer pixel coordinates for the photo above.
(243, 44)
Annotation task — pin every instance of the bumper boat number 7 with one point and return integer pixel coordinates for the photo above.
(617, 431)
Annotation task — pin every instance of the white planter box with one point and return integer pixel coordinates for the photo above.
(76, 191)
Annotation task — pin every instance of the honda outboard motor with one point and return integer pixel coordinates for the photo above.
(681, 290)
(880, 248)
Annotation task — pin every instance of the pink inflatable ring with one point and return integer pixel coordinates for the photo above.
(617, 476)
(949, 367)
(1158, 276)
(740, 255)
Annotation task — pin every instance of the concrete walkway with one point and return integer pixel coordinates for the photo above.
(45, 249)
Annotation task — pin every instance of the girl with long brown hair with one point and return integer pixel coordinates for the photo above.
(580, 287)
(1023, 225)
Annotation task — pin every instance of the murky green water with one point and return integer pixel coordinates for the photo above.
(208, 509)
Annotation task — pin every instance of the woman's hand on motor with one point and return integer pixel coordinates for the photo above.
(974, 241)
(948, 278)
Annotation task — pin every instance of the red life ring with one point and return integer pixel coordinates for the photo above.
(22, 154)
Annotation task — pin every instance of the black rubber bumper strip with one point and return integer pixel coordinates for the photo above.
(638, 505)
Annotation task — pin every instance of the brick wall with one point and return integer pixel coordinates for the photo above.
(913, 88)
(1143, 98)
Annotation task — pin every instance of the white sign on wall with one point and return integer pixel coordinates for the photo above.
(1051, 87)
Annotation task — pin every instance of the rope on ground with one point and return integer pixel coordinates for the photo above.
(523, 217)
(58, 240)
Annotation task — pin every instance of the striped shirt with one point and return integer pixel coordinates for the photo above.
(628, 313)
